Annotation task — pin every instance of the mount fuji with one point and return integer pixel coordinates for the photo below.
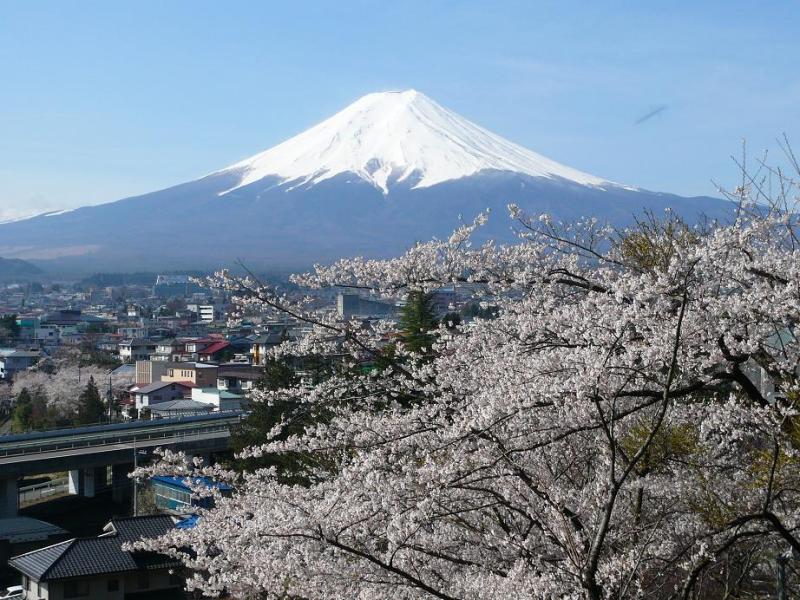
(388, 170)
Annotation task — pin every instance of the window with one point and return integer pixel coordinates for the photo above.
(113, 585)
(76, 589)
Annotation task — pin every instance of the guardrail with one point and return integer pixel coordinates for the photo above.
(31, 493)
(110, 438)
(80, 430)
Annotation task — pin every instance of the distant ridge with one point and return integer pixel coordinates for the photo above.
(12, 269)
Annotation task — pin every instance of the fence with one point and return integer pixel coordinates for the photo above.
(31, 494)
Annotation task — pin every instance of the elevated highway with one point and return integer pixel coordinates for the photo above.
(87, 452)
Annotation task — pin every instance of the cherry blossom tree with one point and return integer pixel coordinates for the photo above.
(625, 427)
(62, 387)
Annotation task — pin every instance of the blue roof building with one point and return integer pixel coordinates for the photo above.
(174, 494)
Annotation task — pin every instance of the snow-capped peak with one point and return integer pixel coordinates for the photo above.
(389, 137)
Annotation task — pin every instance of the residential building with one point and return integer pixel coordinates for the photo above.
(136, 349)
(71, 321)
(23, 534)
(198, 374)
(13, 361)
(169, 349)
(206, 313)
(47, 335)
(97, 568)
(240, 379)
(353, 305)
(159, 391)
(149, 371)
(31, 328)
(241, 344)
(263, 343)
(213, 352)
(133, 331)
(222, 400)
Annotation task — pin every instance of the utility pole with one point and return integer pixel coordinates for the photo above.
(135, 483)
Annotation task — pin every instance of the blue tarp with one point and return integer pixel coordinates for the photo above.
(188, 522)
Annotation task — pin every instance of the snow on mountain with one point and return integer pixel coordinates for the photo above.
(392, 137)
(389, 170)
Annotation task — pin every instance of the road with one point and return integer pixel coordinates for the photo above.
(162, 431)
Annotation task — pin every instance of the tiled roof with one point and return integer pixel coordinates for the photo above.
(240, 371)
(214, 348)
(135, 528)
(269, 339)
(157, 385)
(91, 556)
(94, 556)
(35, 564)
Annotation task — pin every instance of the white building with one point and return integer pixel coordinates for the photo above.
(221, 399)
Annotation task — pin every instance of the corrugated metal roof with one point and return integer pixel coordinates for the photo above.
(198, 481)
(184, 404)
(16, 529)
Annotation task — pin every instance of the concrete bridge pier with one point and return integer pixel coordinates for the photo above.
(94, 480)
(9, 498)
(75, 482)
(121, 484)
(87, 482)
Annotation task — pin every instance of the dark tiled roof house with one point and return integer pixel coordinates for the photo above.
(98, 567)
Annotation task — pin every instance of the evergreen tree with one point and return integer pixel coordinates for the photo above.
(9, 327)
(417, 322)
(40, 416)
(264, 416)
(91, 407)
(278, 375)
(23, 412)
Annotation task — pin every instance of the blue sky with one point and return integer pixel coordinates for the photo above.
(102, 100)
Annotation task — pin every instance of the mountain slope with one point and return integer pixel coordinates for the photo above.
(388, 170)
(394, 137)
(14, 269)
